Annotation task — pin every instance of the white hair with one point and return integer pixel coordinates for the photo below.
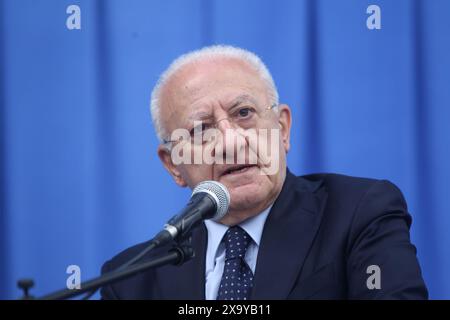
(210, 52)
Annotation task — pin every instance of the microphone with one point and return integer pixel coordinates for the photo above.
(209, 200)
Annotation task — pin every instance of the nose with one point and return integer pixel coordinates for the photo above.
(232, 142)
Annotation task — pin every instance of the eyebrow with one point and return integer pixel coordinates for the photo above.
(202, 115)
(240, 99)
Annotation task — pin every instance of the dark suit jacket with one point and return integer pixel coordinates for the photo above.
(323, 232)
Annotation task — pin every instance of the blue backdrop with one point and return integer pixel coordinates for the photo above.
(79, 176)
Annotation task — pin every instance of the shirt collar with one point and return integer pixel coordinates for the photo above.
(253, 226)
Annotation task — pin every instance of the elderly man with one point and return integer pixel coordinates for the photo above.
(320, 236)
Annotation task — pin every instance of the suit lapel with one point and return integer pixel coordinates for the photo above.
(288, 234)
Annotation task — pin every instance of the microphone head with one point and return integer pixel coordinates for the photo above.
(220, 194)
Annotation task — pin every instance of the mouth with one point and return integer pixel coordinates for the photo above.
(238, 169)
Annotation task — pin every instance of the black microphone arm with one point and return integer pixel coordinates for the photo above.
(176, 256)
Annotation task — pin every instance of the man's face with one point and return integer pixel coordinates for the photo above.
(227, 89)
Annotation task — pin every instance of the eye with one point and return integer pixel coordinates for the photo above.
(245, 112)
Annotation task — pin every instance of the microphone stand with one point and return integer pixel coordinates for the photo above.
(176, 256)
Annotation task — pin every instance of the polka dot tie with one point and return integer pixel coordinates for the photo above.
(237, 277)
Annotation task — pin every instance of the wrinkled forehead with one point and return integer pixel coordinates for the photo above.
(205, 86)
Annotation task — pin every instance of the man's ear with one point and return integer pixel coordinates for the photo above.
(166, 159)
(284, 121)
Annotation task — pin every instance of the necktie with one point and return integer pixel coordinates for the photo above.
(237, 277)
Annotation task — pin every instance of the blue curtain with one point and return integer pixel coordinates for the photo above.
(79, 176)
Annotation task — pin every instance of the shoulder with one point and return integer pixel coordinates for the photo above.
(357, 199)
(341, 187)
